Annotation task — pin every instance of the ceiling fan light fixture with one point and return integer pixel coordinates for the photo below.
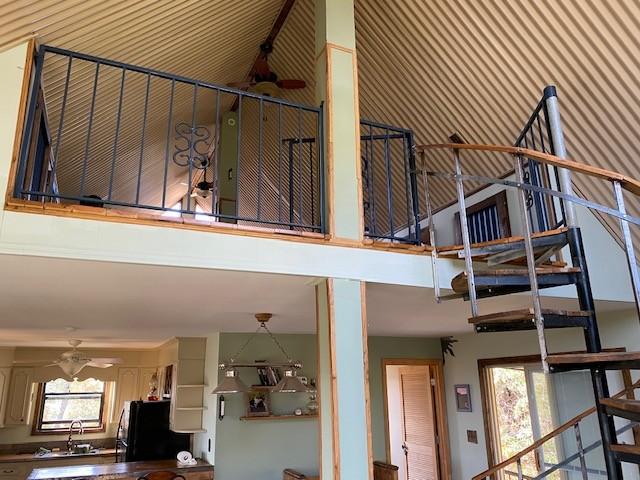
(72, 367)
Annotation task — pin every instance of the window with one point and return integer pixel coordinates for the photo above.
(60, 402)
(487, 220)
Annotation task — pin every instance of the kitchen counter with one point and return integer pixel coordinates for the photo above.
(30, 457)
(200, 471)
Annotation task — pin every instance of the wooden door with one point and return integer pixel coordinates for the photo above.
(418, 423)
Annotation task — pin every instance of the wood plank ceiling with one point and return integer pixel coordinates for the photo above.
(437, 67)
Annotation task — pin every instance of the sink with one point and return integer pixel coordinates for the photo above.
(65, 453)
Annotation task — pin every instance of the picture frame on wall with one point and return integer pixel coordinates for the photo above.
(463, 398)
(258, 404)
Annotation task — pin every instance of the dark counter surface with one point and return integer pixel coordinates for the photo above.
(117, 470)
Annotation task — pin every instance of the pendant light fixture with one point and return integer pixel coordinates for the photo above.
(231, 382)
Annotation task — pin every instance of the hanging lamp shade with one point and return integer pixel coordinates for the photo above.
(230, 383)
(290, 383)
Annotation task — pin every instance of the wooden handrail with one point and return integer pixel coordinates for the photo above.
(538, 443)
(627, 183)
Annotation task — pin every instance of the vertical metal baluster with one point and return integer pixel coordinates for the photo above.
(531, 263)
(60, 126)
(260, 134)
(628, 244)
(114, 154)
(519, 465)
(541, 135)
(321, 169)
(300, 189)
(191, 146)
(291, 193)
(144, 129)
(29, 121)
(583, 463)
(407, 183)
(167, 146)
(311, 184)
(238, 152)
(214, 167)
(387, 163)
(432, 231)
(88, 142)
(464, 229)
(279, 162)
(413, 181)
(372, 198)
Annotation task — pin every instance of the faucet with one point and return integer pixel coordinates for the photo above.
(70, 443)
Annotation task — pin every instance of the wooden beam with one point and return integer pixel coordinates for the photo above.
(271, 38)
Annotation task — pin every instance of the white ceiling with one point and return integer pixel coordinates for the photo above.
(137, 306)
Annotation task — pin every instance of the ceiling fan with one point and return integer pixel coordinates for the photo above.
(263, 80)
(73, 361)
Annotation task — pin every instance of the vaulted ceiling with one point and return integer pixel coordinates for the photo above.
(437, 67)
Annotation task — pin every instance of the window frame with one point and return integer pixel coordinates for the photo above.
(39, 411)
(499, 200)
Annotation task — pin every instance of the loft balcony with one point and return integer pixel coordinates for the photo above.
(118, 140)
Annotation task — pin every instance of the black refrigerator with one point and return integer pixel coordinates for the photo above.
(144, 434)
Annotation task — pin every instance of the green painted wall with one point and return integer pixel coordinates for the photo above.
(391, 347)
(252, 450)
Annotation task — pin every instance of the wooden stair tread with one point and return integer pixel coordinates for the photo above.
(592, 358)
(459, 282)
(628, 449)
(453, 249)
(623, 404)
(523, 315)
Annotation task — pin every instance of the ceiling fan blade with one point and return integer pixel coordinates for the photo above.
(291, 84)
(241, 85)
(111, 361)
(99, 365)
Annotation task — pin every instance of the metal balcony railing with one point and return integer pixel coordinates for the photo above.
(114, 135)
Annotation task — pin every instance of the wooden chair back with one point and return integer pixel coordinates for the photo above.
(384, 471)
(162, 475)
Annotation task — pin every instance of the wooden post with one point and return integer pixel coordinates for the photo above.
(343, 381)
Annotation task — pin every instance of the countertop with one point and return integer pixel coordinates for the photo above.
(30, 457)
(117, 470)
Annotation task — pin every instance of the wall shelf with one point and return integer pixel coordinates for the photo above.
(279, 417)
(195, 385)
(190, 408)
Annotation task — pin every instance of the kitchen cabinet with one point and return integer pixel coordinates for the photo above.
(146, 373)
(5, 378)
(127, 388)
(19, 398)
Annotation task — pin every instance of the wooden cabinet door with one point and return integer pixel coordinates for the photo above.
(418, 424)
(19, 398)
(126, 389)
(146, 373)
(5, 377)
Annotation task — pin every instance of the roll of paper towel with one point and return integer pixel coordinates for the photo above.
(185, 458)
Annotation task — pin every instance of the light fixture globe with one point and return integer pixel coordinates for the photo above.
(290, 383)
(231, 383)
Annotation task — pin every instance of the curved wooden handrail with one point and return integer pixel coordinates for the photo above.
(538, 443)
(627, 183)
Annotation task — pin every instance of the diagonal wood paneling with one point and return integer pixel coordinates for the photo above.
(436, 67)
(479, 68)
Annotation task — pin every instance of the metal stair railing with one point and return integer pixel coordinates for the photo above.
(580, 454)
(619, 183)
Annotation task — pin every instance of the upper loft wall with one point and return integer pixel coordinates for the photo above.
(479, 68)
